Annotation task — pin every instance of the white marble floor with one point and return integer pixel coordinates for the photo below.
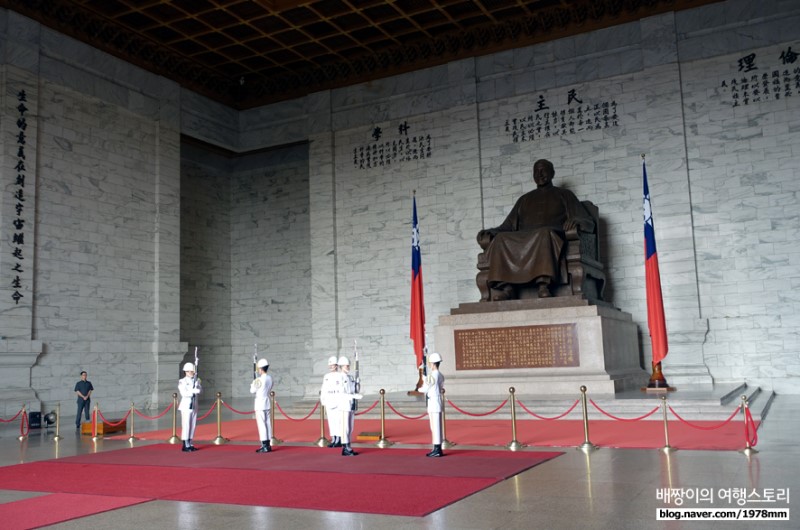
(607, 489)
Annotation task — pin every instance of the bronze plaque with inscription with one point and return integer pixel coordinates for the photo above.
(548, 346)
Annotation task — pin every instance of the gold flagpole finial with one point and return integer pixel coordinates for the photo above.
(414, 192)
(642, 156)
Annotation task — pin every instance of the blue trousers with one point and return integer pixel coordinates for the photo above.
(85, 406)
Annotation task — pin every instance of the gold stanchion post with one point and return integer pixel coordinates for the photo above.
(22, 435)
(174, 438)
(58, 437)
(273, 440)
(383, 443)
(666, 449)
(219, 440)
(446, 444)
(513, 445)
(587, 446)
(132, 438)
(321, 441)
(748, 450)
(95, 430)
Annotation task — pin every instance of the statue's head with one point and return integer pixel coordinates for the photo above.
(543, 172)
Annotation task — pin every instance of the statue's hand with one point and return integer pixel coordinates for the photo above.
(485, 237)
(570, 224)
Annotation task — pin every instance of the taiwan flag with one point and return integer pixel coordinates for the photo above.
(417, 305)
(655, 304)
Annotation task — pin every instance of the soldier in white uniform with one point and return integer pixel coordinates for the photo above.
(189, 388)
(347, 405)
(328, 395)
(433, 388)
(261, 387)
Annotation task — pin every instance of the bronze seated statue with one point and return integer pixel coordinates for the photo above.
(547, 246)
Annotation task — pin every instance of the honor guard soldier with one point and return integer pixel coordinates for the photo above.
(433, 388)
(261, 387)
(189, 388)
(348, 399)
(328, 395)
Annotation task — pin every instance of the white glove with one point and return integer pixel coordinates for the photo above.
(195, 391)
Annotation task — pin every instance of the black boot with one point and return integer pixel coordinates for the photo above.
(185, 447)
(265, 447)
(348, 451)
(437, 451)
(333, 441)
(337, 441)
(191, 446)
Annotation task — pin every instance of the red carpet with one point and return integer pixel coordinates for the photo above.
(382, 481)
(57, 508)
(536, 433)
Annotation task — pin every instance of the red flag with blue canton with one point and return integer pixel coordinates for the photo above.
(655, 303)
(417, 305)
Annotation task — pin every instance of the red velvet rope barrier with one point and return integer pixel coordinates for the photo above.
(145, 416)
(278, 406)
(545, 418)
(359, 413)
(748, 423)
(207, 414)
(475, 414)
(705, 428)
(114, 424)
(403, 415)
(238, 411)
(595, 405)
(12, 419)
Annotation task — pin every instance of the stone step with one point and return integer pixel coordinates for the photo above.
(709, 404)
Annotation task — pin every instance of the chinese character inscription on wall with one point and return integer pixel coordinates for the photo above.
(574, 116)
(384, 151)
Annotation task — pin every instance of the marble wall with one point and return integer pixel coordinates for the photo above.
(305, 247)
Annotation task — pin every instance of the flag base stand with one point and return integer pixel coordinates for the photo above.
(657, 383)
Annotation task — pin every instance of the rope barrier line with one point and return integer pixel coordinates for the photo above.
(145, 416)
(475, 414)
(120, 422)
(748, 423)
(359, 413)
(304, 418)
(705, 428)
(207, 414)
(526, 409)
(12, 419)
(238, 411)
(388, 404)
(647, 415)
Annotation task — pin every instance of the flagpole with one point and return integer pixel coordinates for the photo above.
(417, 320)
(656, 321)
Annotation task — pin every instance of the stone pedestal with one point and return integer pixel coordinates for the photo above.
(550, 346)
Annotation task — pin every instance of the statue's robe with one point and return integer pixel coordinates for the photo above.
(530, 242)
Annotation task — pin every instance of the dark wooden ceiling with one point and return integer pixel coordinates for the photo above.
(246, 53)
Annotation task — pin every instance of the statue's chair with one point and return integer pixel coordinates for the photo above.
(584, 278)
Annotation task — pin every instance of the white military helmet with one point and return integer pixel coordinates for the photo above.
(332, 360)
(188, 367)
(343, 361)
(262, 363)
(435, 358)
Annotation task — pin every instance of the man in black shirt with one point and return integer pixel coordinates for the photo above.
(83, 389)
